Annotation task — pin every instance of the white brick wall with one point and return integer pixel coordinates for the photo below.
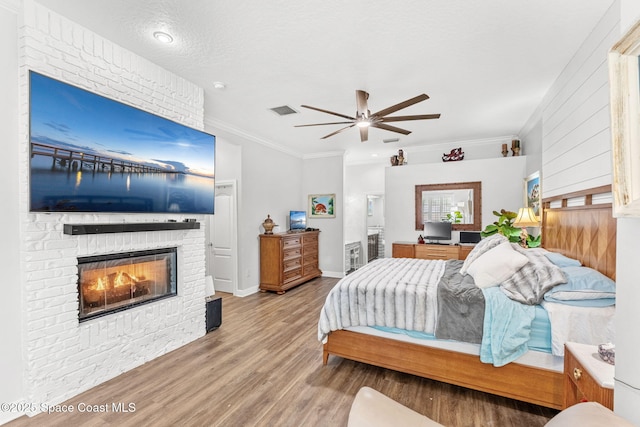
(63, 357)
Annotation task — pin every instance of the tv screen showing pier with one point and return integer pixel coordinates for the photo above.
(93, 154)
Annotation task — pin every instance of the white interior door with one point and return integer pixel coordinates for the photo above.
(222, 245)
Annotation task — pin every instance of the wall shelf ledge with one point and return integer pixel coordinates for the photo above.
(80, 229)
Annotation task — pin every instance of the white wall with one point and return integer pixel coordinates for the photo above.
(11, 366)
(531, 142)
(325, 175)
(269, 183)
(575, 115)
(361, 180)
(502, 188)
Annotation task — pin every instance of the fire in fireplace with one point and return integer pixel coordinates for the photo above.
(115, 282)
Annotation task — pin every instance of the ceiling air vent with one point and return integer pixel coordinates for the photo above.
(386, 141)
(284, 110)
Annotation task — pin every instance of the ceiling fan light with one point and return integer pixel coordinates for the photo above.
(363, 123)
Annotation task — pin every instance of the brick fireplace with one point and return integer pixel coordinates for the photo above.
(117, 282)
(64, 355)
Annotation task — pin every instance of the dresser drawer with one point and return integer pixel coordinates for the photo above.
(311, 240)
(290, 242)
(291, 253)
(291, 264)
(436, 252)
(310, 259)
(291, 275)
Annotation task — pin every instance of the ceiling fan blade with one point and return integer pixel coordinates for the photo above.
(337, 132)
(403, 118)
(400, 106)
(390, 128)
(328, 112)
(361, 102)
(364, 133)
(322, 124)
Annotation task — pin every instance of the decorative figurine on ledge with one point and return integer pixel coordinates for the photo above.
(398, 159)
(515, 147)
(455, 155)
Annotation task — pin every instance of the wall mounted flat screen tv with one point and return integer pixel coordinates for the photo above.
(93, 154)
(297, 220)
(437, 231)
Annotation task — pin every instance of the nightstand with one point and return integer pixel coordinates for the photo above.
(586, 376)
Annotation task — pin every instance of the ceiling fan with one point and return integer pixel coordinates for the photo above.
(364, 119)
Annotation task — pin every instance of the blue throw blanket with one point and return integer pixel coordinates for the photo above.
(507, 327)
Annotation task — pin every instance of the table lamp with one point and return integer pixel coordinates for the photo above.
(526, 218)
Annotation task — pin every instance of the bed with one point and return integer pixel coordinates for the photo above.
(575, 225)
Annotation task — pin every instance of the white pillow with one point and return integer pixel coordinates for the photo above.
(483, 246)
(496, 265)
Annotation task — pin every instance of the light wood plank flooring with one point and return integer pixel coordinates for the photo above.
(263, 367)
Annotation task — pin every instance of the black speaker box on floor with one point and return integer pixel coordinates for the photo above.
(214, 313)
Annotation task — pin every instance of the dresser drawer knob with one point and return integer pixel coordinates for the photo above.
(577, 373)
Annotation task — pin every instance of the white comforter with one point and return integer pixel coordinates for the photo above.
(391, 292)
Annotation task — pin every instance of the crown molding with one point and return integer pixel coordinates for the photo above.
(10, 5)
(323, 154)
(226, 127)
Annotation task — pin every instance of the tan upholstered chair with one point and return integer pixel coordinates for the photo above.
(373, 409)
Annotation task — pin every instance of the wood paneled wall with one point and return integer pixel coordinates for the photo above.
(586, 233)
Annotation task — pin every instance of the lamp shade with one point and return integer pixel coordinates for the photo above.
(526, 218)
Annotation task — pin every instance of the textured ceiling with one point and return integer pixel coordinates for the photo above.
(485, 64)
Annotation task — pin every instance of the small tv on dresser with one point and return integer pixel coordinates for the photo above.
(297, 220)
(436, 231)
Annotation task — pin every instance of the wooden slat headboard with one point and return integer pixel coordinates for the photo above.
(586, 233)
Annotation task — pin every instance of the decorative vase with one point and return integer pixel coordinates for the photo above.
(400, 157)
(394, 160)
(505, 152)
(268, 225)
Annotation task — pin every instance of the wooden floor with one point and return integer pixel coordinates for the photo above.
(263, 367)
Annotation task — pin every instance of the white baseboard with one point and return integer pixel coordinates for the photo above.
(334, 274)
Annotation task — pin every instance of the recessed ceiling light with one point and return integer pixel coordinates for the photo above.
(219, 85)
(163, 37)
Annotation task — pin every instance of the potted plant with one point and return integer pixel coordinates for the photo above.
(454, 217)
(504, 226)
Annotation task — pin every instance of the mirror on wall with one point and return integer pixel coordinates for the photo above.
(458, 203)
(624, 85)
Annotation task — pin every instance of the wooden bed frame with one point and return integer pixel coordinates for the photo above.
(587, 233)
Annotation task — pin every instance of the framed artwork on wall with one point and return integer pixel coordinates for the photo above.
(322, 206)
(532, 193)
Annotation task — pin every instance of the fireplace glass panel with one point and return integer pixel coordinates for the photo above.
(115, 282)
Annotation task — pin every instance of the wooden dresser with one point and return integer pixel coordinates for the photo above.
(429, 251)
(288, 260)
